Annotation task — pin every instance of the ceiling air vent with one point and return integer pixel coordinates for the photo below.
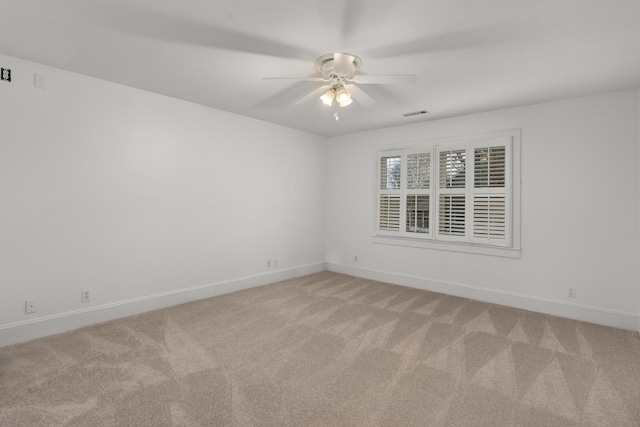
(415, 113)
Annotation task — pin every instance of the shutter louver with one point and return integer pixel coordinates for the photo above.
(452, 168)
(418, 213)
(489, 167)
(489, 217)
(418, 171)
(389, 215)
(451, 215)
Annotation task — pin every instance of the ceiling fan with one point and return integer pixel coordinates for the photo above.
(338, 72)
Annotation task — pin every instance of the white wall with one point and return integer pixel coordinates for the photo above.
(145, 200)
(150, 201)
(580, 211)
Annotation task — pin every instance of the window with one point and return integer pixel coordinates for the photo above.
(418, 193)
(389, 198)
(452, 192)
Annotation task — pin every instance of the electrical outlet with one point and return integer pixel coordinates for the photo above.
(86, 295)
(275, 262)
(5, 74)
(268, 263)
(571, 292)
(30, 306)
(355, 258)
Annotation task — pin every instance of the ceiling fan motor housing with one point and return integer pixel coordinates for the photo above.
(325, 66)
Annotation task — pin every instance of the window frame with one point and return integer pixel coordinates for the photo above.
(470, 243)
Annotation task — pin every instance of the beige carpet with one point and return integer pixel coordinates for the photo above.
(327, 350)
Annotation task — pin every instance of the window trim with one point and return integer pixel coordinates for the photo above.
(513, 188)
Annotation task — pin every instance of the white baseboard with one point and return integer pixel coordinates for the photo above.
(601, 316)
(17, 332)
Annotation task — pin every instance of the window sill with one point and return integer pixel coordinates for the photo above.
(448, 246)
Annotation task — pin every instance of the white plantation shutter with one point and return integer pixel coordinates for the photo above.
(458, 192)
(490, 196)
(489, 217)
(452, 189)
(452, 168)
(418, 194)
(489, 167)
(419, 171)
(473, 195)
(389, 214)
(451, 215)
(389, 194)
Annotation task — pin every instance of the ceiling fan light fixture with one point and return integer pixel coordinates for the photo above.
(343, 96)
(327, 97)
(345, 103)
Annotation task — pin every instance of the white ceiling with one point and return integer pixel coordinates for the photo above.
(469, 55)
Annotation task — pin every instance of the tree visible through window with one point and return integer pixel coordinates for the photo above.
(390, 176)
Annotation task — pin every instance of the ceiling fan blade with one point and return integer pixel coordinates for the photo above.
(153, 23)
(385, 79)
(341, 64)
(304, 79)
(360, 96)
(450, 41)
(315, 94)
